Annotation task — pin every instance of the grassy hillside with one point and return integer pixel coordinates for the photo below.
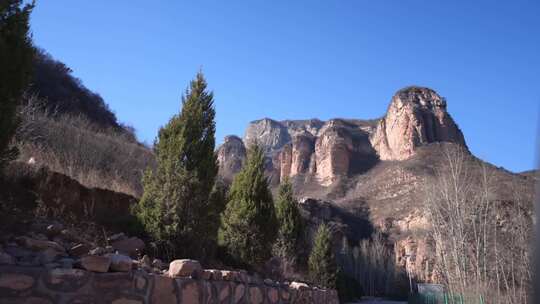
(70, 129)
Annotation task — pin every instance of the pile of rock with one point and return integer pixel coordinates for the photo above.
(52, 246)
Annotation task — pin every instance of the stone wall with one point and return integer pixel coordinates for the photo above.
(40, 285)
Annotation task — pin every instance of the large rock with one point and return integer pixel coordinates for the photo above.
(96, 263)
(416, 116)
(120, 262)
(184, 268)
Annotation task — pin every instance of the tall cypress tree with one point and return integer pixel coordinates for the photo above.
(290, 223)
(176, 208)
(248, 224)
(16, 53)
(322, 262)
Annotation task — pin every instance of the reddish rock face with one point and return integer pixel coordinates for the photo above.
(303, 146)
(285, 159)
(333, 150)
(416, 116)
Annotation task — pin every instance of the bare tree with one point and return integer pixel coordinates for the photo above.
(481, 244)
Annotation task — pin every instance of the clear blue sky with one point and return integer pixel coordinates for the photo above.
(307, 59)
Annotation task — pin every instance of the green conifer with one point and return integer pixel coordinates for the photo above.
(248, 224)
(290, 223)
(16, 53)
(176, 208)
(322, 262)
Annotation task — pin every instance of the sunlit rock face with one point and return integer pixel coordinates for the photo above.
(231, 155)
(271, 135)
(328, 151)
(333, 150)
(303, 146)
(416, 116)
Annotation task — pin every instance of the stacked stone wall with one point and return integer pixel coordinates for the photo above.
(38, 285)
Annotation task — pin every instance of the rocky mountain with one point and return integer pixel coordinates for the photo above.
(330, 150)
(368, 173)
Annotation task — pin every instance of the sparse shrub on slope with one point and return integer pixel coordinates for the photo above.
(97, 157)
(248, 225)
(16, 53)
(176, 207)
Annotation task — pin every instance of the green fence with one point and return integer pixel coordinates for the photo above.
(446, 298)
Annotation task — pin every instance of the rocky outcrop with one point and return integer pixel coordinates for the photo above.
(344, 147)
(303, 146)
(416, 116)
(296, 157)
(333, 151)
(268, 133)
(231, 155)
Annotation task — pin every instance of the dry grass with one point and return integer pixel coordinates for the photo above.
(72, 145)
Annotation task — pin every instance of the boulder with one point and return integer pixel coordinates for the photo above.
(298, 286)
(184, 268)
(96, 263)
(120, 262)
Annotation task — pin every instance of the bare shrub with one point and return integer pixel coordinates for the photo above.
(482, 245)
(77, 147)
(372, 264)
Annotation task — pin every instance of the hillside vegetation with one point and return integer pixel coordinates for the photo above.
(71, 130)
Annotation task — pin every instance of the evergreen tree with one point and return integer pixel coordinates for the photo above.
(322, 262)
(176, 208)
(290, 223)
(248, 224)
(16, 53)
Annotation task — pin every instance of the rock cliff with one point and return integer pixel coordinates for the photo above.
(231, 155)
(378, 166)
(340, 148)
(416, 116)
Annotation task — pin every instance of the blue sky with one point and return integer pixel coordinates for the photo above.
(309, 59)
